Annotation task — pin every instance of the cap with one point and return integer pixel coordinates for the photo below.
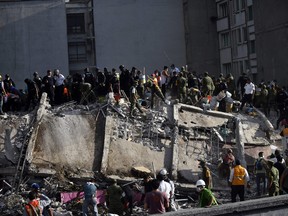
(200, 182)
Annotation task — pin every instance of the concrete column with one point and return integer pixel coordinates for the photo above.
(240, 142)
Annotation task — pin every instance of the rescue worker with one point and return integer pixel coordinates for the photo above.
(113, 198)
(206, 197)
(2, 95)
(134, 99)
(32, 94)
(260, 171)
(284, 135)
(32, 208)
(89, 199)
(44, 201)
(59, 81)
(156, 202)
(207, 85)
(164, 79)
(172, 206)
(206, 174)
(238, 178)
(228, 162)
(273, 179)
(181, 87)
(248, 94)
(164, 186)
(48, 83)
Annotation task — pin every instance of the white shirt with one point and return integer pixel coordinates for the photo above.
(59, 80)
(165, 187)
(249, 88)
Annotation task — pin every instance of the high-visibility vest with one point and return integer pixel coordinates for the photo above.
(239, 175)
(285, 132)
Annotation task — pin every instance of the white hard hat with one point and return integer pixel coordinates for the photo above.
(163, 171)
(200, 182)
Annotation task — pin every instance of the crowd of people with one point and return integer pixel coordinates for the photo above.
(222, 92)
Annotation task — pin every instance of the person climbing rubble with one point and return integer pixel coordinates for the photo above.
(206, 174)
(89, 198)
(32, 208)
(44, 201)
(226, 166)
(206, 197)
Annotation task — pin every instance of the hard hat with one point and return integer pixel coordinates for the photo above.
(35, 186)
(200, 182)
(163, 171)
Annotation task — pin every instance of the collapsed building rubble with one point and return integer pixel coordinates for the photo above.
(77, 142)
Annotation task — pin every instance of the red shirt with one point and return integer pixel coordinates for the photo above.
(156, 202)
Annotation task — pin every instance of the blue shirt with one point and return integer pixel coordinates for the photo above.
(89, 190)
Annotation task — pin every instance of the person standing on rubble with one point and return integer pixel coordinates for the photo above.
(90, 199)
(114, 198)
(182, 87)
(163, 174)
(134, 99)
(206, 199)
(248, 94)
(206, 174)
(48, 82)
(260, 172)
(238, 178)
(207, 85)
(59, 81)
(273, 179)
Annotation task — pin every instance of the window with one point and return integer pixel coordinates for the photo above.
(247, 65)
(252, 46)
(225, 40)
(236, 5)
(250, 13)
(235, 67)
(77, 52)
(243, 4)
(244, 31)
(227, 68)
(239, 36)
(75, 23)
(223, 10)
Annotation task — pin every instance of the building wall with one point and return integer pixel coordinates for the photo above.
(139, 33)
(32, 38)
(201, 36)
(272, 39)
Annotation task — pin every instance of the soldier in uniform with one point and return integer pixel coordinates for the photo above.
(182, 84)
(113, 198)
(134, 99)
(206, 174)
(273, 179)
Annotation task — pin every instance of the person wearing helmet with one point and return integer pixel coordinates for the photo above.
(44, 201)
(206, 197)
(163, 174)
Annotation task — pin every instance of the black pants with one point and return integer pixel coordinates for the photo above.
(247, 98)
(237, 190)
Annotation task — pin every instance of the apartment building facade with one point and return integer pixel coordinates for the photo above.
(236, 36)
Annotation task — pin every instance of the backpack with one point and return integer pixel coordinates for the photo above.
(259, 165)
